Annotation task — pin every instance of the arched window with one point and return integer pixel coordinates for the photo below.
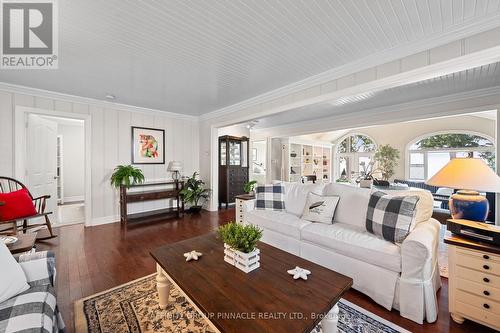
(353, 153)
(428, 154)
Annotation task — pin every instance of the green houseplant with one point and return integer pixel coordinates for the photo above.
(240, 237)
(249, 186)
(387, 159)
(126, 175)
(193, 191)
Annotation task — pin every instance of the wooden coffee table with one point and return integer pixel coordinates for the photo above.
(267, 299)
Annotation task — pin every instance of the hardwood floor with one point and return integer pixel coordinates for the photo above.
(91, 260)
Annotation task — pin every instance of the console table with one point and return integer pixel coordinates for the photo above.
(163, 190)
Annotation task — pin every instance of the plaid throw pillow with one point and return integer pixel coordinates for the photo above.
(391, 217)
(270, 197)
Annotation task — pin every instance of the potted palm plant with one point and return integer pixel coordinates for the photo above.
(126, 175)
(240, 245)
(193, 191)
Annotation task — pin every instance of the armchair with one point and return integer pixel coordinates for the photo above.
(8, 185)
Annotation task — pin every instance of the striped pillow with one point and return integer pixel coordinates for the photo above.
(391, 217)
(270, 197)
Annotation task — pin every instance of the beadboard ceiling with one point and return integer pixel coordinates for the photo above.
(333, 136)
(472, 79)
(194, 57)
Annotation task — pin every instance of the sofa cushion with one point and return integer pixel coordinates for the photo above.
(17, 204)
(425, 203)
(12, 279)
(282, 222)
(391, 217)
(32, 311)
(353, 203)
(320, 208)
(270, 197)
(355, 242)
(296, 196)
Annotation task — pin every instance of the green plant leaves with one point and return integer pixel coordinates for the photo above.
(249, 186)
(240, 237)
(193, 190)
(123, 175)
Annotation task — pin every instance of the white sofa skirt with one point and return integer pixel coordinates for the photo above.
(374, 281)
(282, 242)
(382, 285)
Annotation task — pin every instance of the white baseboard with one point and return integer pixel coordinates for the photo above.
(74, 198)
(105, 220)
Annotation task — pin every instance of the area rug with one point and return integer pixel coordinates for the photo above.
(133, 308)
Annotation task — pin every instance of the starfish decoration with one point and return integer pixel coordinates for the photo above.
(299, 273)
(193, 255)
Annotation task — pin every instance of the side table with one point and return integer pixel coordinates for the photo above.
(240, 202)
(474, 281)
(25, 242)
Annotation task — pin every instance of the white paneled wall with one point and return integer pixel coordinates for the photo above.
(111, 145)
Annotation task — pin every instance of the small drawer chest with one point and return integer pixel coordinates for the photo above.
(240, 203)
(474, 281)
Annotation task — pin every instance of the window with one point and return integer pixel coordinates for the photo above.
(428, 155)
(353, 153)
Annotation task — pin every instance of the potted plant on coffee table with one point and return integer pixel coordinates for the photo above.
(126, 175)
(240, 245)
(193, 191)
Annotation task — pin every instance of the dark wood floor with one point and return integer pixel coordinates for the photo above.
(90, 260)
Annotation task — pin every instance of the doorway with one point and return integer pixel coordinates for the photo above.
(56, 161)
(70, 168)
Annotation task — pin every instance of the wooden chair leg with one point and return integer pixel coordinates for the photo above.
(49, 226)
(46, 234)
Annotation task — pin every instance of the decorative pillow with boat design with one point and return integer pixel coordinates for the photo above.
(320, 208)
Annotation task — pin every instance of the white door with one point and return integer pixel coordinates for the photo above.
(41, 159)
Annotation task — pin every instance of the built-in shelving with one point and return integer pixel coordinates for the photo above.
(307, 159)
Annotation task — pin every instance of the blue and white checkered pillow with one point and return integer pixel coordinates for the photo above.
(270, 197)
(391, 217)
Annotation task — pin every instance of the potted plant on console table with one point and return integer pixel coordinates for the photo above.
(240, 245)
(193, 191)
(126, 175)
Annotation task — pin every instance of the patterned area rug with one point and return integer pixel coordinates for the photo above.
(133, 308)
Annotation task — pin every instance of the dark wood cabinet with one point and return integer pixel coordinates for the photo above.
(233, 167)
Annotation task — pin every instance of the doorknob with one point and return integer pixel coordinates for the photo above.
(56, 177)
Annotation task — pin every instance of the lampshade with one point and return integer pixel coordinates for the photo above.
(174, 166)
(467, 174)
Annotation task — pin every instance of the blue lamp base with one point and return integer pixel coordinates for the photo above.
(469, 205)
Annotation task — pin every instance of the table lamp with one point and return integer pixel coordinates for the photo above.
(175, 167)
(470, 175)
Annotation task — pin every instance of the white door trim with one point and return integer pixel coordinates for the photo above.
(20, 117)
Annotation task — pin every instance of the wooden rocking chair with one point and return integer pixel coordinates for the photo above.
(8, 185)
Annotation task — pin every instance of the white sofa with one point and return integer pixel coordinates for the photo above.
(404, 277)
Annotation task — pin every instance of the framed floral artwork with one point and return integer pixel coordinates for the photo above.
(148, 145)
